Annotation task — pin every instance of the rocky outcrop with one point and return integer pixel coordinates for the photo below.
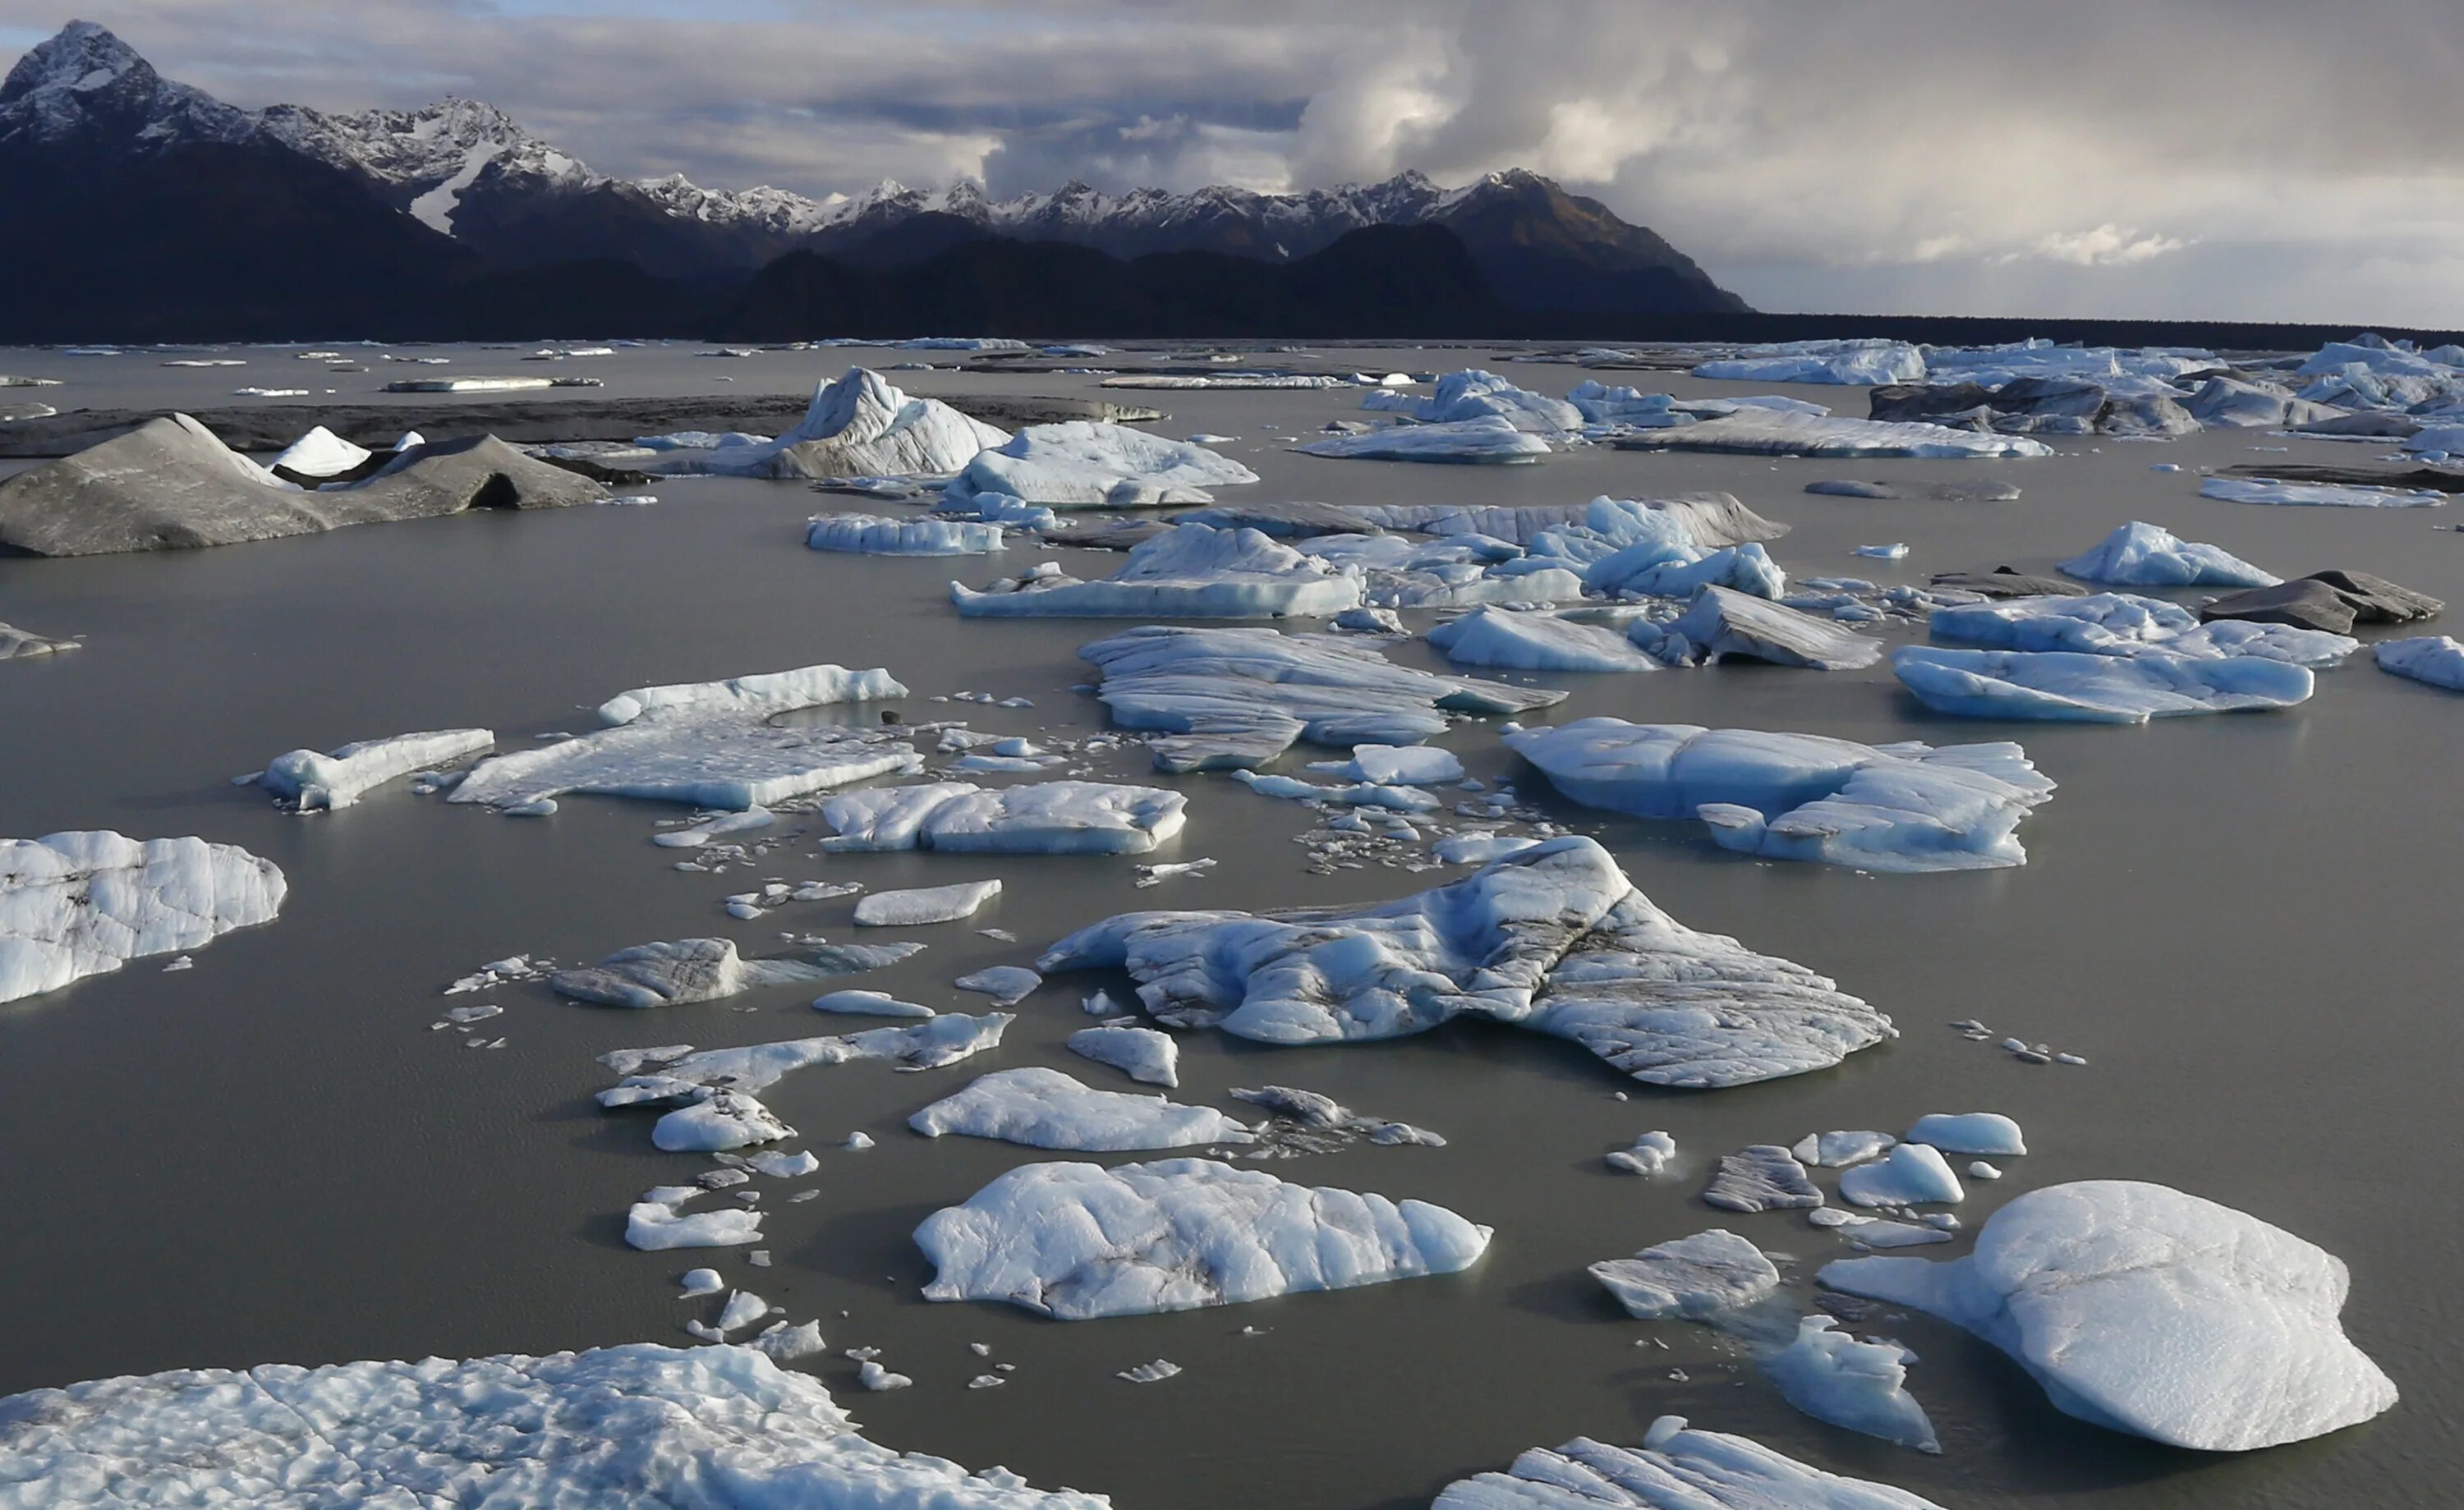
(2033, 406)
(2332, 601)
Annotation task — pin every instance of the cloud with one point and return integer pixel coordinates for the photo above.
(2260, 159)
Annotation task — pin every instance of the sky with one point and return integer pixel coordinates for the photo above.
(2279, 160)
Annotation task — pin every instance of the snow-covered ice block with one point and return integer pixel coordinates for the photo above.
(1493, 440)
(2141, 555)
(2434, 658)
(1833, 1377)
(875, 1003)
(701, 1281)
(321, 453)
(2125, 624)
(632, 1425)
(79, 904)
(1763, 1177)
(658, 1222)
(1862, 362)
(2096, 688)
(1764, 432)
(16, 644)
(1910, 1174)
(1674, 1469)
(1045, 817)
(1554, 938)
(666, 974)
(1006, 984)
(2147, 1310)
(2323, 495)
(1085, 464)
(1236, 698)
(1044, 1108)
(873, 534)
(1523, 641)
(1693, 1279)
(1722, 623)
(1969, 1133)
(1474, 394)
(308, 781)
(762, 695)
(1477, 850)
(1192, 571)
(1142, 1054)
(1896, 807)
(1076, 1241)
(1651, 1153)
(1388, 765)
(924, 905)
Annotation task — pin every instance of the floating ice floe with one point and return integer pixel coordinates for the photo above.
(1087, 463)
(1969, 1133)
(1410, 765)
(1473, 395)
(1554, 939)
(2123, 624)
(308, 781)
(16, 644)
(1909, 1175)
(873, 534)
(1076, 1241)
(2147, 1310)
(1493, 440)
(666, 974)
(694, 836)
(1533, 641)
(1193, 571)
(1674, 1469)
(2328, 495)
(2435, 658)
(923, 905)
(1897, 808)
(1833, 1377)
(632, 1425)
(1359, 794)
(1044, 1108)
(861, 426)
(707, 743)
(1651, 1153)
(1237, 698)
(1581, 530)
(1837, 1150)
(1471, 848)
(658, 1223)
(1857, 362)
(2095, 689)
(1763, 1177)
(1308, 1111)
(1045, 817)
(2140, 554)
(1689, 1278)
(319, 454)
(1451, 573)
(1764, 432)
(79, 904)
(1006, 984)
(1142, 1054)
(1723, 624)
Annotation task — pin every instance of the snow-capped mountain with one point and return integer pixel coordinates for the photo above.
(86, 83)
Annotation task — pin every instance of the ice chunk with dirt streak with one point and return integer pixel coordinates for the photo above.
(1047, 818)
(683, 971)
(1692, 1279)
(2150, 1311)
(1722, 623)
(1077, 1241)
(1554, 939)
(85, 903)
(1044, 1108)
(309, 780)
(1676, 1468)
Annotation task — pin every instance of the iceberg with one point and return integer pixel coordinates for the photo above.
(861, 426)
(1554, 939)
(658, 1223)
(1722, 623)
(79, 904)
(632, 1425)
(1474, 395)
(1307, 1109)
(1395, 573)
(2096, 688)
(706, 743)
(1523, 641)
(16, 643)
(2124, 624)
(1077, 1241)
(2147, 1310)
(1837, 1150)
(1969, 1133)
(1409, 765)
(1192, 571)
(1861, 363)
(308, 781)
(2328, 495)
(1043, 818)
(1493, 440)
(926, 904)
(1909, 1175)
(1142, 1054)
(1044, 1108)
(675, 1075)
(873, 534)
(2139, 554)
(1476, 848)
(2435, 658)
(689, 969)
(1689, 1278)
(1088, 464)
(1899, 807)
(1767, 432)
(1833, 1377)
(1676, 1468)
(1237, 698)
(1708, 520)
(1652, 570)
(319, 454)
(1764, 1177)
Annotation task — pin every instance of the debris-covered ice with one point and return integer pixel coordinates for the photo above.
(2147, 1310)
(1763, 1177)
(1045, 817)
(79, 904)
(1693, 1279)
(1044, 1108)
(1076, 1241)
(1554, 939)
(671, 973)
(1311, 1112)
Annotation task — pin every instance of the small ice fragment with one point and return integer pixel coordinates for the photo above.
(1006, 984)
(469, 1015)
(1650, 1155)
(182, 962)
(743, 1309)
(874, 1376)
(981, 1350)
(705, 1331)
(1908, 1174)
(986, 1381)
(758, 1258)
(786, 1343)
(701, 1281)
(1155, 1373)
(925, 905)
(1894, 551)
(1969, 1133)
(539, 807)
(877, 1004)
(784, 1166)
(2068, 1059)
(856, 1142)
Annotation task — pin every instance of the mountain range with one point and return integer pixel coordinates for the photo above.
(152, 211)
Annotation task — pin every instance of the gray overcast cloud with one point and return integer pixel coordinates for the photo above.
(2244, 159)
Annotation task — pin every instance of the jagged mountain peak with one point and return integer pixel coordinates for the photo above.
(85, 83)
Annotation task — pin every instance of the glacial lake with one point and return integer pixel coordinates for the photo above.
(2245, 923)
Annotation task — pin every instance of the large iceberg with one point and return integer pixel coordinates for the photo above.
(1044, 1108)
(2125, 624)
(2095, 689)
(2140, 554)
(1043, 817)
(1554, 939)
(79, 904)
(1473, 395)
(1191, 571)
(1237, 698)
(861, 427)
(2327, 495)
(632, 1425)
(706, 743)
(1076, 1241)
(1492, 439)
(16, 643)
(1087, 463)
(2147, 1310)
(1765, 433)
(1535, 642)
(1674, 1469)
(1858, 363)
(308, 781)
(1894, 807)
(874, 535)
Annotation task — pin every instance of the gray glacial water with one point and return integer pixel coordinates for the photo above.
(2246, 924)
